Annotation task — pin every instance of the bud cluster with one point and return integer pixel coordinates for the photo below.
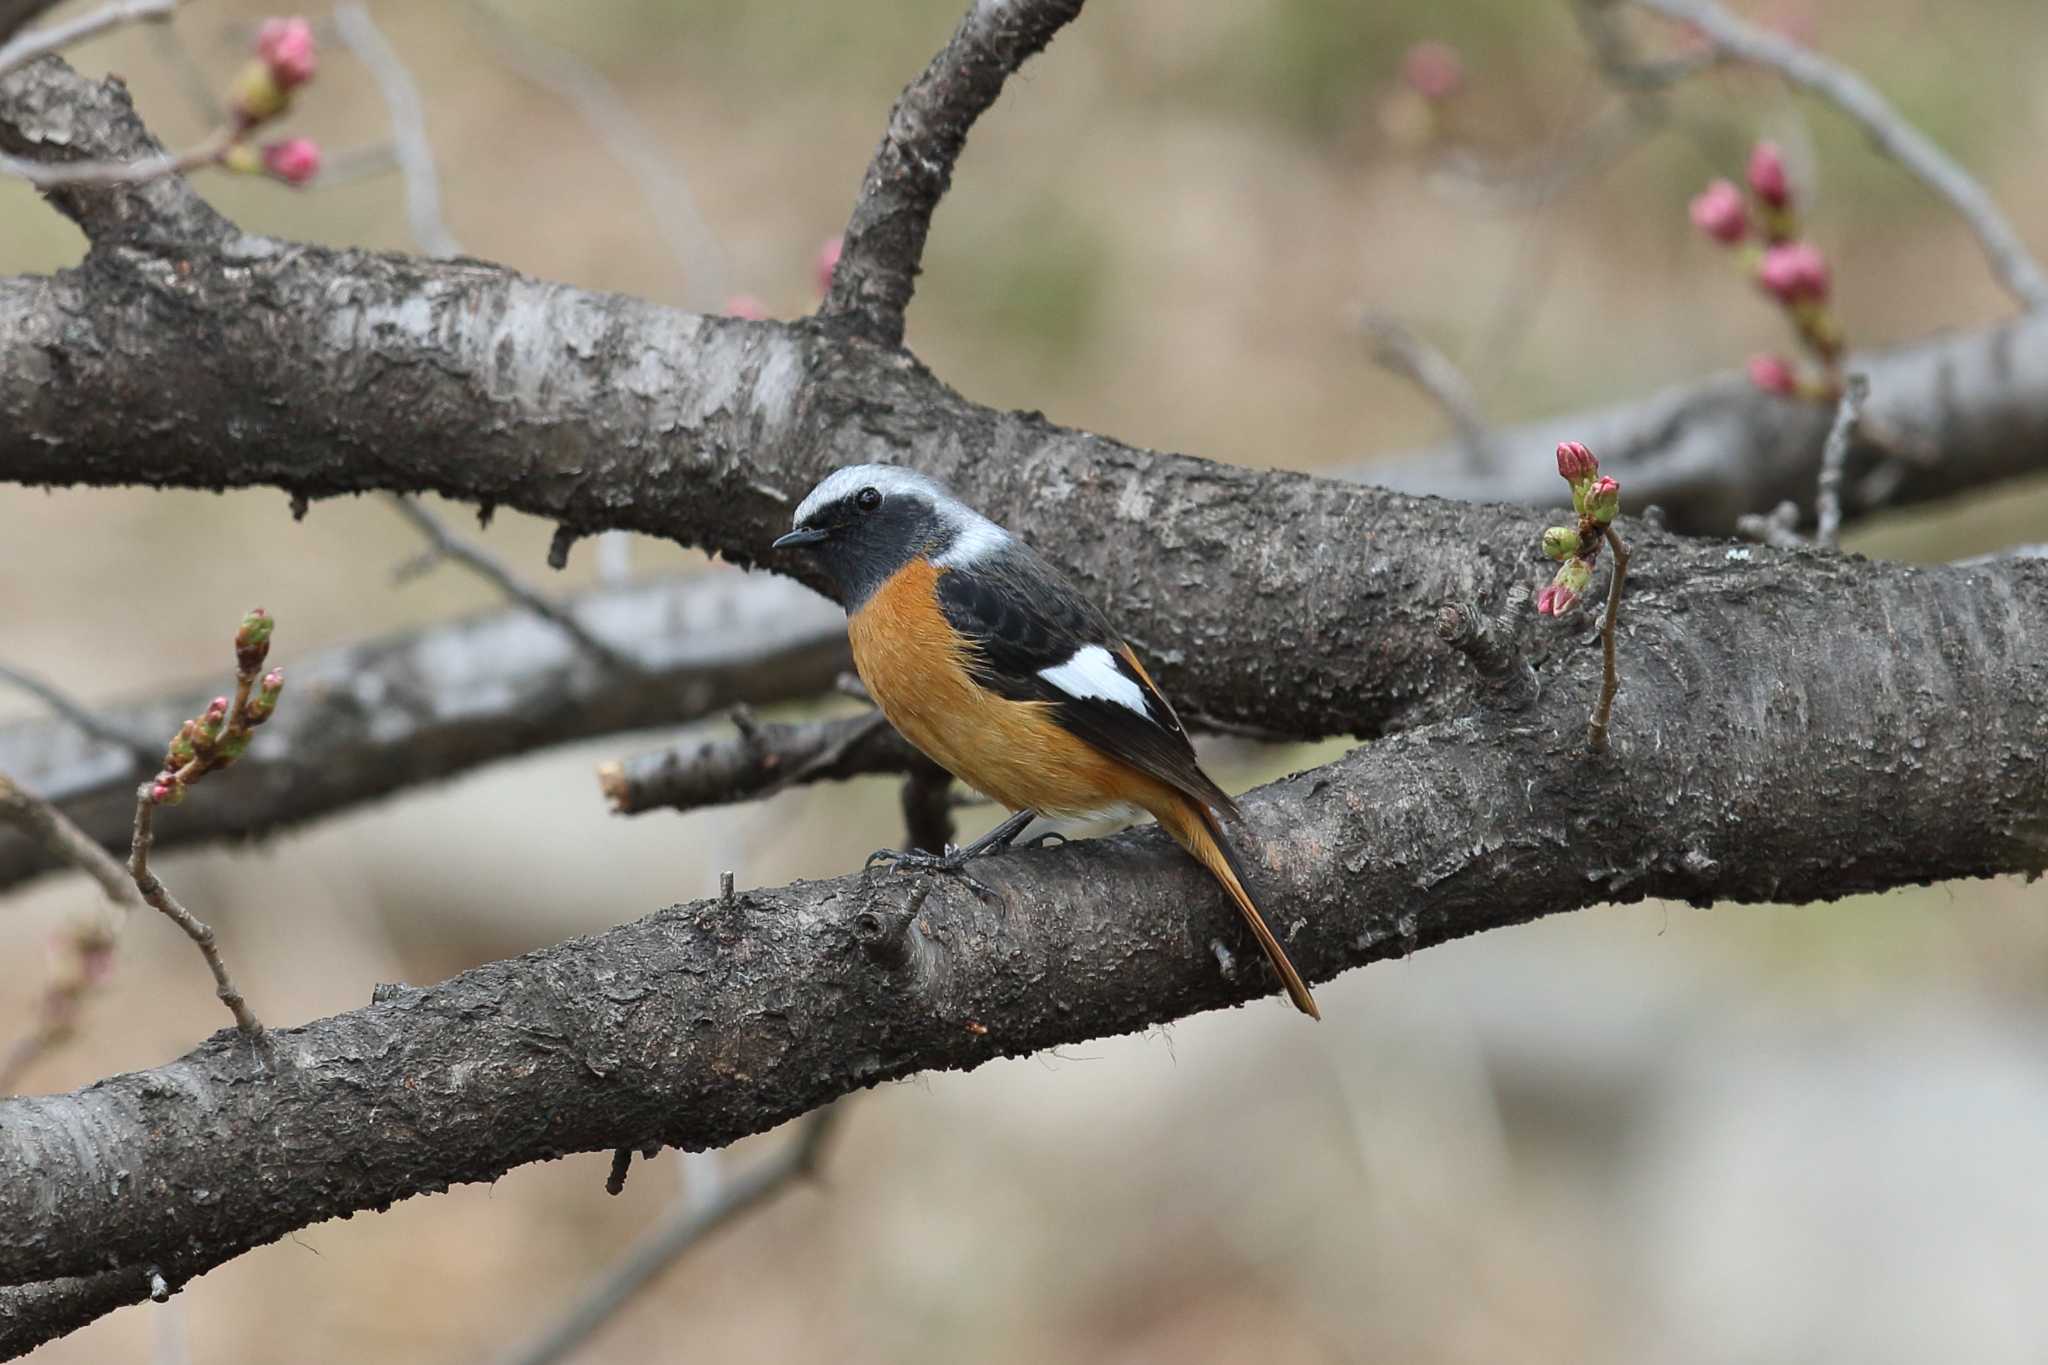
(284, 59)
(220, 734)
(1764, 236)
(1596, 498)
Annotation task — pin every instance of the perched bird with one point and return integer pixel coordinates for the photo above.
(988, 660)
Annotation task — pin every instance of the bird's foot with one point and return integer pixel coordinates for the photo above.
(1052, 838)
(951, 863)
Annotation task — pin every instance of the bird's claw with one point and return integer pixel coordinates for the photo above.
(950, 864)
(1052, 838)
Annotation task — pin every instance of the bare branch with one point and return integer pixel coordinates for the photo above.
(1891, 131)
(1835, 454)
(159, 897)
(757, 761)
(667, 1241)
(1398, 349)
(409, 141)
(913, 167)
(794, 996)
(141, 172)
(20, 51)
(447, 545)
(82, 719)
(416, 707)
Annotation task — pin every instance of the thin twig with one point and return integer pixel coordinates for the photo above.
(663, 187)
(447, 545)
(159, 896)
(56, 37)
(690, 1223)
(409, 141)
(759, 760)
(1894, 135)
(148, 168)
(1400, 351)
(145, 755)
(56, 1018)
(1596, 731)
(1835, 454)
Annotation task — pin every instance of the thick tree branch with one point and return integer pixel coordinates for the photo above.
(1791, 736)
(378, 716)
(913, 167)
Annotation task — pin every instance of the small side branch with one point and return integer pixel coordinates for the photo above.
(446, 545)
(666, 1243)
(1891, 131)
(1610, 683)
(159, 897)
(1398, 350)
(81, 719)
(913, 168)
(1835, 454)
(758, 760)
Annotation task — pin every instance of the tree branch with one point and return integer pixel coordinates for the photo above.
(913, 167)
(758, 760)
(382, 715)
(1780, 747)
(1893, 133)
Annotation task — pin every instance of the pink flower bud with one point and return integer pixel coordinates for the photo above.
(286, 47)
(160, 792)
(1794, 271)
(1433, 70)
(1719, 212)
(273, 680)
(1575, 462)
(1603, 500)
(295, 160)
(1554, 599)
(1773, 374)
(746, 306)
(217, 708)
(1767, 175)
(828, 262)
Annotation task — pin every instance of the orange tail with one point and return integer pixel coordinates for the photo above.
(1195, 828)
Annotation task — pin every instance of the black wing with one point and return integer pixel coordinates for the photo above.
(1033, 636)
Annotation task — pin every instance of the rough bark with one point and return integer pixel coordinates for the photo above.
(1793, 726)
(381, 715)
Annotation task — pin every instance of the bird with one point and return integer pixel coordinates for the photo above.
(992, 663)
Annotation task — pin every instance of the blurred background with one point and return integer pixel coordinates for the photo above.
(1642, 1133)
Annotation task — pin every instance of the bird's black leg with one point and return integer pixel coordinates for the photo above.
(954, 860)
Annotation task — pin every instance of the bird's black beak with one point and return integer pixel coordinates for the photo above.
(803, 535)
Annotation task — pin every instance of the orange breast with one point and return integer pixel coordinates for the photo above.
(915, 669)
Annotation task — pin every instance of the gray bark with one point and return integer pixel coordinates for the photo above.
(382, 715)
(1793, 726)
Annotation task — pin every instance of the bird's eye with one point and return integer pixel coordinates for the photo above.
(868, 499)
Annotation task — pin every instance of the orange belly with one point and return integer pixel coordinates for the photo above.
(913, 666)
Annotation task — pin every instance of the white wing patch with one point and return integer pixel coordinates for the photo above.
(1092, 672)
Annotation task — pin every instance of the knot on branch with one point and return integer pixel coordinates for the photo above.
(1493, 644)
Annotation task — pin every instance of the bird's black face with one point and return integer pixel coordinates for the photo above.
(861, 535)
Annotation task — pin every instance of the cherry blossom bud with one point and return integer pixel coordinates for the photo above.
(828, 262)
(1560, 542)
(1773, 374)
(1575, 462)
(1553, 600)
(252, 641)
(1794, 271)
(166, 792)
(1433, 70)
(1767, 175)
(286, 48)
(1719, 212)
(296, 160)
(1603, 500)
(746, 306)
(255, 96)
